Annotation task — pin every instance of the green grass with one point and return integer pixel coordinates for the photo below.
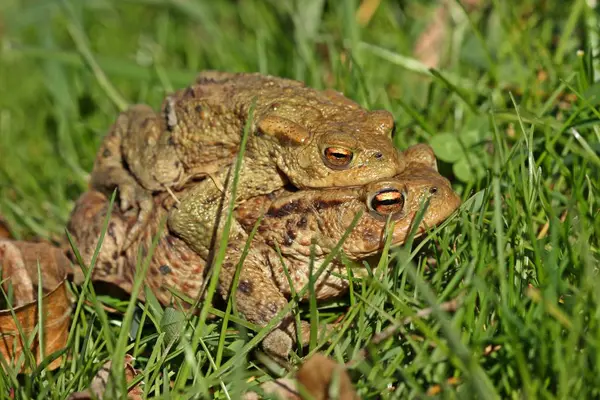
(523, 254)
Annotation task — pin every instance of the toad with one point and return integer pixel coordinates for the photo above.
(292, 223)
(309, 138)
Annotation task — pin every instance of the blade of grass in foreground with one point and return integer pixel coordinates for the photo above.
(117, 370)
(87, 286)
(478, 378)
(231, 305)
(267, 328)
(218, 260)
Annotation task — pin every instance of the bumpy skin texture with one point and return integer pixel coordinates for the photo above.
(313, 139)
(292, 221)
(200, 215)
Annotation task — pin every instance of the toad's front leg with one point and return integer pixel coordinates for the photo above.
(136, 158)
(257, 297)
(199, 217)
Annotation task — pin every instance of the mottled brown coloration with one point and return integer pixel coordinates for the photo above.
(319, 216)
(198, 134)
(172, 262)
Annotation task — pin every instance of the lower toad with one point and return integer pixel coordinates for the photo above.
(293, 222)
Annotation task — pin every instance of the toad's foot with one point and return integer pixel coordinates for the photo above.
(281, 341)
(131, 198)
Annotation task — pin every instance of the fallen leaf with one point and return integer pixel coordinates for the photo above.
(319, 376)
(16, 282)
(18, 261)
(100, 381)
(429, 45)
(53, 262)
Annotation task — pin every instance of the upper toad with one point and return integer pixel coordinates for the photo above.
(311, 138)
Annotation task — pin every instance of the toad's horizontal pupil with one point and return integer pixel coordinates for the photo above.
(387, 202)
(338, 154)
(389, 197)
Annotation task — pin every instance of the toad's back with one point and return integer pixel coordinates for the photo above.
(206, 120)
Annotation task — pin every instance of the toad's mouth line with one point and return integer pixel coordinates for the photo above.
(360, 255)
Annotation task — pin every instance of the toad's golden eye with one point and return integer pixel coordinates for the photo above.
(337, 157)
(387, 201)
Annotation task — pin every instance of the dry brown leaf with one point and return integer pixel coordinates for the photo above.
(18, 261)
(54, 264)
(100, 381)
(429, 45)
(318, 376)
(14, 275)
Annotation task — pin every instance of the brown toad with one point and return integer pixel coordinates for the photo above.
(198, 220)
(292, 222)
(311, 138)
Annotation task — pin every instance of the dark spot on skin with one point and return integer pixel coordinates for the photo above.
(296, 206)
(164, 269)
(171, 141)
(378, 155)
(290, 235)
(227, 266)
(433, 190)
(171, 241)
(176, 164)
(205, 80)
(302, 222)
(245, 286)
(115, 255)
(189, 92)
(111, 230)
(284, 210)
(325, 204)
(198, 108)
(272, 307)
(272, 154)
(106, 153)
(107, 267)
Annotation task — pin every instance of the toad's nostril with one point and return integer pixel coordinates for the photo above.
(379, 155)
(433, 190)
